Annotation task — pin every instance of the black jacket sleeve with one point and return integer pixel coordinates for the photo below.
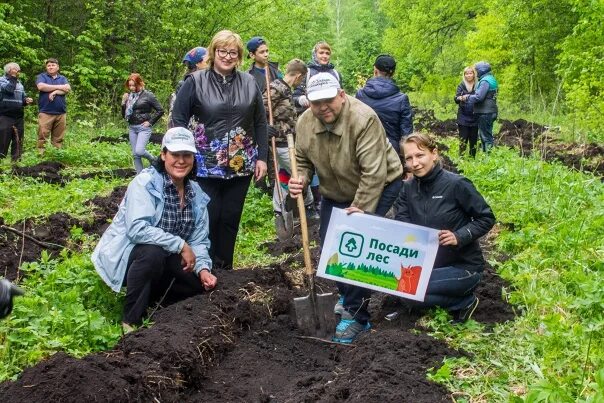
(183, 105)
(476, 207)
(158, 110)
(458, 92)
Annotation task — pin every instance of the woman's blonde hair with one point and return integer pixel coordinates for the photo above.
(322, 45)
(225, 38)
(469, 68)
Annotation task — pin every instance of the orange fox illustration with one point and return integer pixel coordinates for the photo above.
(409, 279)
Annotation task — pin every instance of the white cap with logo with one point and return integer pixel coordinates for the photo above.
(322, 86)
(179, 139)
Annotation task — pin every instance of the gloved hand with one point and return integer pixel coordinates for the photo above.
(303, 101)
(7, 292)
(272, 132)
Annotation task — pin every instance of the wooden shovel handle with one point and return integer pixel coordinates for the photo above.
(270, 122)
(301, 208)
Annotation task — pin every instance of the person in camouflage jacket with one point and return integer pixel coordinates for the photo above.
(284, 123)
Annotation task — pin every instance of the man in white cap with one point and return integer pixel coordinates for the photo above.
(157, 244)
(343, 139)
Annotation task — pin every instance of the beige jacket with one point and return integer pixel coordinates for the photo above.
(354, 161)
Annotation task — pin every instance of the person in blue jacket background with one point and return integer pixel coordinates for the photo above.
(391, 105)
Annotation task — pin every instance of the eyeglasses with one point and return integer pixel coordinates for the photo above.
(231, 53)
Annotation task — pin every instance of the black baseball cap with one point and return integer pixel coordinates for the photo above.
(385, 63)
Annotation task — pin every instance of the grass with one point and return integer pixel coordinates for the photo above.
(554, 351)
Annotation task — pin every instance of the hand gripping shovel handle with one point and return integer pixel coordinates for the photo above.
(302, 209)
(314, 313)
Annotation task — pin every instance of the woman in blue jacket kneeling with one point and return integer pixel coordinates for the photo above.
(158, 241)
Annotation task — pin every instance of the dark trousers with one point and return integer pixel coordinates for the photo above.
(485, 130)
(11, 134)
(150, 272)
(227, 197)
(450, 288)
(468, 134)
(356, 299)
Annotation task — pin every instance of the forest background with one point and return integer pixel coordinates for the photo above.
(548, 55)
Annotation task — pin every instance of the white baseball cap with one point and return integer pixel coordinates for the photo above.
(322, 86)
(179, 139)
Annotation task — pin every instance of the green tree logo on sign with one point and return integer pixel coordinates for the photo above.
(351, 244)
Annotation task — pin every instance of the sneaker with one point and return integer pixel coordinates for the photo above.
(463, 315)
(348, 330)
(338, 309)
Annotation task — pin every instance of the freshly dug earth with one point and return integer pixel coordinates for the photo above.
(239, 343)
(50, 172)
(24, 241)
(527, 137)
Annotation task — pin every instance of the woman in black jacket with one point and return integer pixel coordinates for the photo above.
(466, 121)
(231, 140)
(141, 110)
(442, 200)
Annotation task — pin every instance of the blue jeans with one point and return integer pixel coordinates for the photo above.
(356, 299)
(485, 130)
(450, 288)
(139, 137)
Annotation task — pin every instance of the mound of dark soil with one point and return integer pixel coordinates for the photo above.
(528, 137)
(155, 138)
(24, 241)
(112, 173)
(46, 171)
(110, 140)
(104, 210)
(424, 120)
(50, 172)
(238, 343)
(520, 134)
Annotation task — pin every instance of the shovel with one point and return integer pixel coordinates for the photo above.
(314, 313)
(284, 223)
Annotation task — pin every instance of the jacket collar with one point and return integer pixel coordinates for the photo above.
(431, 176)
(338, 128)
(156, 184)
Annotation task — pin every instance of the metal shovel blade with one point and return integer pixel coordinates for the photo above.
(284, 225)
(316, 317)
